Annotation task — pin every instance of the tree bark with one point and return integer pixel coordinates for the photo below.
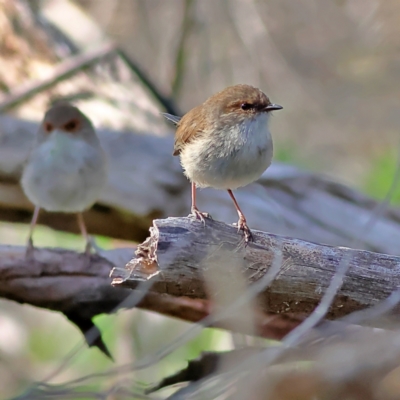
(62, 280)
(174, 263)
(180, 250)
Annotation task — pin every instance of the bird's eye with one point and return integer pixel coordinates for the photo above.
(48, 127)
(246, 106)
(71, 125)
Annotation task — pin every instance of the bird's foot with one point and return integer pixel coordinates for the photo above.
(88, 248)
(242, 226)
(199, 215)
(29, 249)
(91, 246)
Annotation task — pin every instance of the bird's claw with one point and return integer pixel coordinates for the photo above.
(29, 249)
(242, 226)
(88, 248)
(92, 245)
(199, 215)
(87, 254)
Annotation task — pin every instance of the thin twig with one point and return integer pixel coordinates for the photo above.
(180, 58)
(167, 102)
(61, 72)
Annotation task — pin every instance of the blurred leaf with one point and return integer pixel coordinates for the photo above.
(287, 153)
(52, 343)
(380, 178)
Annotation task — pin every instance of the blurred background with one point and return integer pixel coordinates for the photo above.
(334, 67)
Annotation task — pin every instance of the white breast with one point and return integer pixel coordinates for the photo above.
(232, 157)
(64, 174)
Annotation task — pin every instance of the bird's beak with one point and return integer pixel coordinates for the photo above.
(273, 107)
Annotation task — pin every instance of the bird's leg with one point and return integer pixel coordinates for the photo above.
(194, 210)
(242, 223)
(29, 245)
(82, 228)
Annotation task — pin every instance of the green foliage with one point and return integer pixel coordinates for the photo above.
(380, 178)
(287, 153)
(50, 344)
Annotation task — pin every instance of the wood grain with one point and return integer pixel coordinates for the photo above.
(62, 280)
(179, 250)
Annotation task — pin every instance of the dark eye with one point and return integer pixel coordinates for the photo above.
(71, 125)
(48, 127)
(246, 106)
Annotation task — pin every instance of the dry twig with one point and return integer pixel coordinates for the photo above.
(60, 72)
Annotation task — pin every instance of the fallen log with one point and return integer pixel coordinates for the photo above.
(62, 280)
(169, 274)
(180, 250)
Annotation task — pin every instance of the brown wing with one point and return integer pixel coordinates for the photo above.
(189, 127)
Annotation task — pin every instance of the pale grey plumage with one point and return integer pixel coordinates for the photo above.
(65, 171)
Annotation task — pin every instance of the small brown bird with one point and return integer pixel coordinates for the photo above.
(225, 143)
(66, 168)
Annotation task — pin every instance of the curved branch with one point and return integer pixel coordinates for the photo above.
(62, 280)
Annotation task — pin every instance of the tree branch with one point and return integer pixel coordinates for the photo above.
(180, 250)
(62, 280)
(62, 71)
(176, 256)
